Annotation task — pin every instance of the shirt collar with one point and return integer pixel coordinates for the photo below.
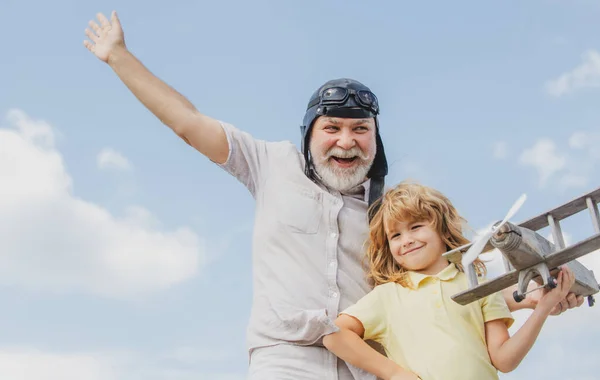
(360, 191)
(445, 274)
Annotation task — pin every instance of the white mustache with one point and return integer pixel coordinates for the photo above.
(343, 153)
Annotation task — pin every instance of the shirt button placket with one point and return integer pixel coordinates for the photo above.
(440, 311)
(333, 302)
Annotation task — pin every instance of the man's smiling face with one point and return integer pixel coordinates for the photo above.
(343, 150)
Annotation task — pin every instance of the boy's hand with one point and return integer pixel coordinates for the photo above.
(106, 37)
(552, 298)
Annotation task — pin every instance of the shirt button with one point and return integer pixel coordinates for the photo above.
(332, 264)
(333, 235)
(334, 295)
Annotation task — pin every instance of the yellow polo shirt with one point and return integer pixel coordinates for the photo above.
(426, 332)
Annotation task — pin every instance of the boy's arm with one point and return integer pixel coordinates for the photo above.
(507, 352)
(204, 133)
(348, 345)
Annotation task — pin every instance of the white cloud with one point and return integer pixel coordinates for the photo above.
(109, 158)
(194, 355)
(544, 157)
(571, 168)
(578, 140)
(573, 181)
(51, 240)
(500, 150)
(587, 74)
(34, 364)
(588, 142)
(30, 364)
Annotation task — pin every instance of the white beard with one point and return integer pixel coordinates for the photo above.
(342, 179)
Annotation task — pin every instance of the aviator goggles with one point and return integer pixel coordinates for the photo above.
(340, 95)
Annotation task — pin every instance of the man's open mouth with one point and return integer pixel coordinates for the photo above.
(343, 160)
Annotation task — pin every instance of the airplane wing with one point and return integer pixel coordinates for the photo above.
(487, 288)
(573, 252)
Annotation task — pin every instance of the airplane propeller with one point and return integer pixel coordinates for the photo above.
(480, 241)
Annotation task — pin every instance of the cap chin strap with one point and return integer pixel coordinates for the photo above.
(375, 192)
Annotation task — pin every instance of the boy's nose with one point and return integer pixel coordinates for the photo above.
(408, 242)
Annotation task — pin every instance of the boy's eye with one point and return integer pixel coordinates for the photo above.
(416, 226)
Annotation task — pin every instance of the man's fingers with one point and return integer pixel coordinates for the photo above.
(91, 35)
(103, 20)
(572, 300)
(114, 18)
(94, 26)
(564, 305)
(88, 45)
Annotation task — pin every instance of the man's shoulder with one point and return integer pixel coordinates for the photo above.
(285, 151)
(284, 145)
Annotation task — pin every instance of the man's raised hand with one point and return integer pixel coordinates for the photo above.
(105, 38)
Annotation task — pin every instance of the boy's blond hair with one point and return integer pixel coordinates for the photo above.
(409, 202)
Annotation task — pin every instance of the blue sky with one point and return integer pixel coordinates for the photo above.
(125, 254)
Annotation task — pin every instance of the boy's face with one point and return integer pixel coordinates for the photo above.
(343, 150)
(416, 246)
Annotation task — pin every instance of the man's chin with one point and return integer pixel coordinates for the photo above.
(341, 180)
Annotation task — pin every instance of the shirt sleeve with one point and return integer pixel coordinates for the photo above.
(248, 158)
(494, 307)
(370, 311)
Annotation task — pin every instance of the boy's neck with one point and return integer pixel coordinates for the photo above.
(434, 268)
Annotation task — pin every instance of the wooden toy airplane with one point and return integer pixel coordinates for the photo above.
(529, 256)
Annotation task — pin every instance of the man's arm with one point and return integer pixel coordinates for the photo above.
(173, 109)
(348, 345)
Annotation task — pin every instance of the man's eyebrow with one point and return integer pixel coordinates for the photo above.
(332, 121)
(361, 121)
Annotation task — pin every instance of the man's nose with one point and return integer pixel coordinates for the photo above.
(346, 140)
